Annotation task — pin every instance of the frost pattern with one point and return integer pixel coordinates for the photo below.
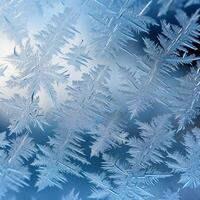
(122, 77)
(13, 172)
(72, 196)
(23, 113)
